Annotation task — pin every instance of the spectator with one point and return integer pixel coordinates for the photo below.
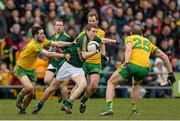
(164, 35)
(7, 12)
(174, 63)
(6, 52)
(120, 19)
(129, 14)
(71, 23)
(161, 80)
(13, 39)
(105, 25)
(113, 33)
(3, 26)
(5, 80)
(50, 23)
(146, 9)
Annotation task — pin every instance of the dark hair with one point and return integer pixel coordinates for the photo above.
(89, 26)
(60, 20)
(93, 13)
(35, 30)
(136, 29)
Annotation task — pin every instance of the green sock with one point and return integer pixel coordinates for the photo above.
(134, 106)
(21, 97)
(84, 99)
(109, 105)
(40, 105)
(23, 109)
(67, 102)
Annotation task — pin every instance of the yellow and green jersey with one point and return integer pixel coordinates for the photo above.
(95, 59)
(29, 54)
(142, 48)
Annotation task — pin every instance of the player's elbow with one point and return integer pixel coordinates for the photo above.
(83, 55)
(162, 55)
(128, 51)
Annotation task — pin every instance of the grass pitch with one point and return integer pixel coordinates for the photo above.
(159, 109)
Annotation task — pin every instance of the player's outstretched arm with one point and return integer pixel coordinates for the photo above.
(171, 78)
(107, 40)
(61, 44)
(55, 55)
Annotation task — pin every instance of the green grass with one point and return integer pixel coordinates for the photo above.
(151, 109)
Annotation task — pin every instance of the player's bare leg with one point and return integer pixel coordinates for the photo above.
(64, 91)
(26, 101)
(135, 93)
(91, 89)
(53, 86)
(80, 81)
(49, 77)
(112, 82)
(27, 88)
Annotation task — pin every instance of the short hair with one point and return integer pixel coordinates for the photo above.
(93, 13)
(136, 29)
(60, 20)
(89, 26)
(35, 30)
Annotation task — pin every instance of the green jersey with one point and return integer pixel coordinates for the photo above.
(62, 37)
(81, 45)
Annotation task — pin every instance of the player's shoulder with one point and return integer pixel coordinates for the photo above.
(32, 42)
(81, 33)
(65, 34)
(130, 37)
(101, 31)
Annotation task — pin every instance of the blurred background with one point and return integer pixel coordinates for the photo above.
(160, 20)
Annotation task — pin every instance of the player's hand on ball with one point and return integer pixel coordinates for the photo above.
(171, 78)
(93, 46)
(67, 57)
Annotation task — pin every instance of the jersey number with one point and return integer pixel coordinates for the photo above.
(138, 44)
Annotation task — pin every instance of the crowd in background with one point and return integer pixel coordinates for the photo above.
(160, 20)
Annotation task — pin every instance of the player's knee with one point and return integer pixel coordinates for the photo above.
(83, 85)
(47, 81)
(52, 89)
(110, 82)
(32, 94)
(95, 86)
(136, 83)
(30, 88)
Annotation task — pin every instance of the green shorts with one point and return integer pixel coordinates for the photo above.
(90, 68)
(20, 72)
(133, 70)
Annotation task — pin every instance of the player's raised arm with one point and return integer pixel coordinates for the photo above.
(164, 57)
(61, 44)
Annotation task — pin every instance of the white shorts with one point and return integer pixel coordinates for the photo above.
(50, 66)
(68, 71)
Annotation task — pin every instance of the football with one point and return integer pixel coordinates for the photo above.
(92, 45)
